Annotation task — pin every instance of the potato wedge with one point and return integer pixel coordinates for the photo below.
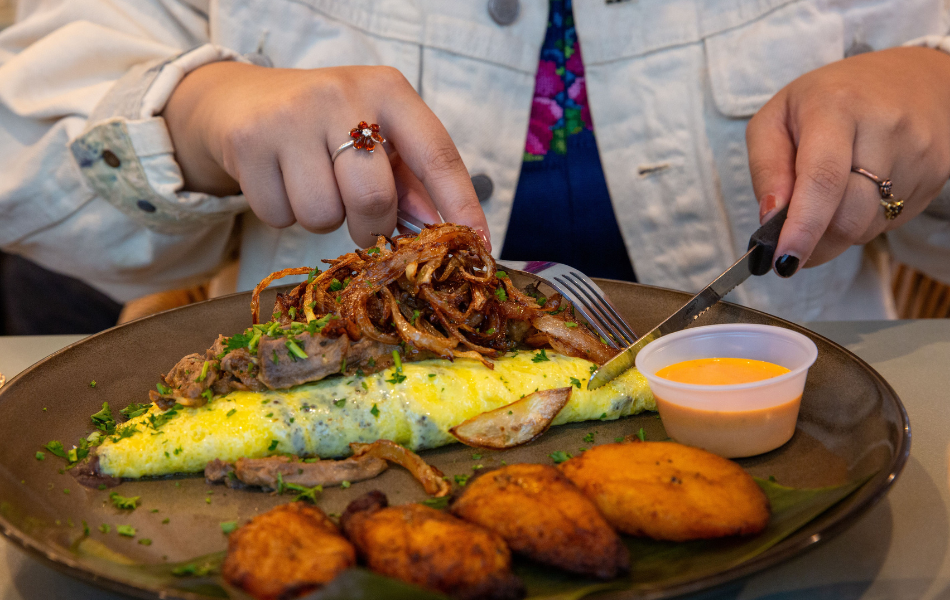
(515, 424)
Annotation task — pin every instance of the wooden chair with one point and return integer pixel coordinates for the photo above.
(918, 296)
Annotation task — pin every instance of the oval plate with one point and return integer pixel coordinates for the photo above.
(852, 426)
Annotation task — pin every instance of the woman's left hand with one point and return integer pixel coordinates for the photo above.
(887, 112)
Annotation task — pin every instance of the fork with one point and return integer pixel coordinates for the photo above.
(585, 295)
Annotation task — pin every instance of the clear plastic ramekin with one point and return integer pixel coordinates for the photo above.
(730, 420)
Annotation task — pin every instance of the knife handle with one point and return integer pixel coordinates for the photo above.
(765, 240)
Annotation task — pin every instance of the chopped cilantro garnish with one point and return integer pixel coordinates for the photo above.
(56, 447)
(477, 467)
(207, 394)
(268, 415)
(166, 521)
(92, 384)
(123, 502)
(589, 438)
(365, 387)
(193, 570)
(431, 375)
(103, 419)
(313, 274)
(241, 340)
(501, 294)
(603, 416)
(344, 484)
(570, 324)
(40, 456)
(559, 456)
(177, 451)
(292, 311)
(272, 446)
(540, 357)
(134, 410)
(374, 411)
(126, 530)
(228, 526)
(204, 371)
(295, 350)
(371, 362)
(275, 358)
(576, 382)
(462, 479)
(491, 330)
(335, 285)
(772, 478)
(276, 315)
(641, 435)
(373, 250)
(593, 369)
(85, 528)
(476, 456)
(437, 503)
(501, 274)
(105, 528)
(230, 412)
(339, 403)
(145, 542)
(163, 389)
(396, 378)
(618, 439)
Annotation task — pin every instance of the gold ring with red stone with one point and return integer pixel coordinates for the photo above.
(365, 137)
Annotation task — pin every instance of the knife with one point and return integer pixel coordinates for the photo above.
(757, 261)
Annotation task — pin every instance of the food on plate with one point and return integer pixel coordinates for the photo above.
(414, 407)
(543, 516)
(270, 471)
(432, 479)
(401, 341)
(431, 548)
(286, 552)
(721, 371)
(513, 424)
(667, 491)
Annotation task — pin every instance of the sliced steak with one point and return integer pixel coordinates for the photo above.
(263, 472)
(280, 369)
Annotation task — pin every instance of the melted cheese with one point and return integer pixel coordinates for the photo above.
(322, 418)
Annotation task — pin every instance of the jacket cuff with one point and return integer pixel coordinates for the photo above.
(126, 155)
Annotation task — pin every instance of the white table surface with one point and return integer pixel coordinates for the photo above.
(899, 550)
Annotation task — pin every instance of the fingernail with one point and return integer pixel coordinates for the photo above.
(786, 265)
(766, 206)
(485, 239)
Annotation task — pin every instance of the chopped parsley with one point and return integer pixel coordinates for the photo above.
(207, 394)
(603, 416)
(273, 446)
(344, 484)
(303, 493)
(92, 384)
(559, 456)
(618, 439)
(501, 274)
(105, 528)
(593, 369)
(228, 526)
(193, 570)
(124, 502)
(292, 311)
(476, 457)
(397, 376)
(230, 412)
(373, 250)
(772, 478)
(540, 357)
(164, 390)
(56, 448)
(462, 479)
(126, 530)
(501, 294)
(313, 274)
(641, 435)
(103, 419)
(275, 358)
(339, 403)
(570, 324)
(145, 542)
(374, 411)
(134, 410)
(589, 438)
(491, 331)
(177, 451)
(576, 382)
(477, 467)
(335, 285)
(437, 503)
(40, 456)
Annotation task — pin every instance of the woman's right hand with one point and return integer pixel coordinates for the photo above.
(270, 133)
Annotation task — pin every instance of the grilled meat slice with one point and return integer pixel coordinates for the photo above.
(263, 472)
(428, 547)
(543, 516)
(286, 552)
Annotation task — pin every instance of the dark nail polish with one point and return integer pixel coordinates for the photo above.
(786, 265)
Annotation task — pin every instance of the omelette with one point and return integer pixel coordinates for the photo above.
(414, 405)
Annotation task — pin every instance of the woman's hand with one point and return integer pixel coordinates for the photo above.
(271, 134)
(887, 112)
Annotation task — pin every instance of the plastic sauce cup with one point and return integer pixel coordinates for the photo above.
(730, 420)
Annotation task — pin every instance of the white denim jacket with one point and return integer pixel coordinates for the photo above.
(89, 185)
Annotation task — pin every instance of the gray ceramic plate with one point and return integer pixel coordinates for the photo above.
(852, 426)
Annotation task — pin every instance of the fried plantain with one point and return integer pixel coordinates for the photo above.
(428, 547)
(286, 552)
(667, 491)
(542, 515)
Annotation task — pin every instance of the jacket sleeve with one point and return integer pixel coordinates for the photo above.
(923, 243)
(89, 185)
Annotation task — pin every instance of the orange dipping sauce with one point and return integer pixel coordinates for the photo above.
(721, 371)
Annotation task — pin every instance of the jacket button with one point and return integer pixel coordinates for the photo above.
(504, 12)
(146, 206)
(111, 159)
(483, 186)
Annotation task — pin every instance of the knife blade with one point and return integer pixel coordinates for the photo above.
(756, 261)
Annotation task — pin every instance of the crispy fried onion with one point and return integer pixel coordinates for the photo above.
(430, 477)
(437, 293)
(256, 296)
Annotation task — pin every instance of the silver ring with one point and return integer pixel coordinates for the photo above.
(892, 206)
(365, 137)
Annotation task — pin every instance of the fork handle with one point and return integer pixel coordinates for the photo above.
(764, 241)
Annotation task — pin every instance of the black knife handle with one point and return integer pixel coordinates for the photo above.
(766, 238)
